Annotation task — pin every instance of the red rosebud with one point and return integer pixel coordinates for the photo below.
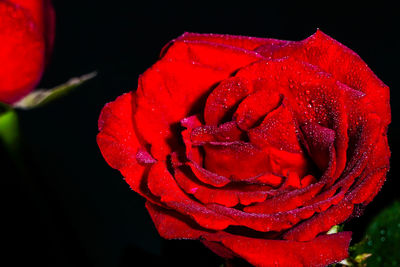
(26, 41)
(256, 147)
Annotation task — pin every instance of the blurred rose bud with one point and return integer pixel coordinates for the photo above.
(26, 41)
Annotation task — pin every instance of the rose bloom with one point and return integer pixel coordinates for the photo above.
(26, 41)
(256, 147)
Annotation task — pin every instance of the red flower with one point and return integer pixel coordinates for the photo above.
(256, 147)
(27, 35)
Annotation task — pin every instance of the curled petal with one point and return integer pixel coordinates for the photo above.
(162, 184)
(321, 251)
(119, 143)
(229, 196)
(224, 98)
(249, 43)
(345, 65)
(180, 80)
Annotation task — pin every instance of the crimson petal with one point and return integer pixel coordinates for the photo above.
(119, 144)
(229, 196)
(345, 65)
(321, 251)
(162, 184)
(244, 42)
(22, 51)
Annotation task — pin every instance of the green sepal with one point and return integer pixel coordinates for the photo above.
(40, 97)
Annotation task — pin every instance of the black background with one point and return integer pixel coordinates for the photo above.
(72, 209)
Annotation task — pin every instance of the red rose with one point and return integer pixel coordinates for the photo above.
(256, 147)
(27, 35)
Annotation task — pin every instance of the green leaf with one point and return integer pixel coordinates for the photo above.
(41, 97)
(9, 131)
(382, 239)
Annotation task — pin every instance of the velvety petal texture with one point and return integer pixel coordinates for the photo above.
(27, 35)
(256, 147)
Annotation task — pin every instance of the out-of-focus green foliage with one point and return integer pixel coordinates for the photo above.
(382, 239)
(9, 132)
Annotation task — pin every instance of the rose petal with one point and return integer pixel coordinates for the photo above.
(366, 189)
(224, 98)
(345, 65)
(282, 220)
(208, 177)
(43, 14)
(313, 95)
(193, 153)
(22, 52)
(229, 196)
(236, 160)
(319, 142)
(321, 222)
(244, 42)
(227, 132)
(118, 142)
(278, 130)
(369, 187)
(257, 105)
(180, 80)
(219, 249)
(215, 55)
(154, 115)
(321, 251)
(172, 225)
(285, 201)
(260, 222)
(265, 179)
(162, 184)
(117, 139)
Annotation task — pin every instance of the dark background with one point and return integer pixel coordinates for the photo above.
(72, 209)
